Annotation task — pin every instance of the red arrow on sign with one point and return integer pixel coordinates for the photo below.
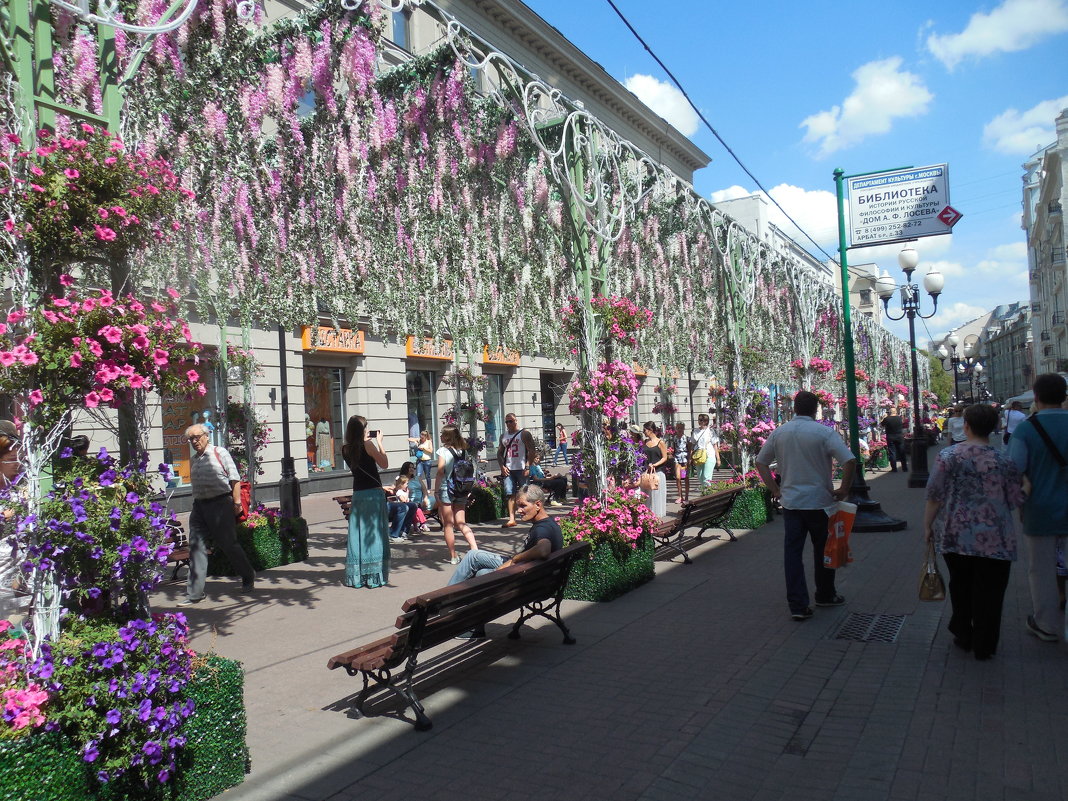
(950, 216)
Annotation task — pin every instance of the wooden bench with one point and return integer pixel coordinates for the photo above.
(179, 555)
(345, 502)
(707, 511)
(534, 588)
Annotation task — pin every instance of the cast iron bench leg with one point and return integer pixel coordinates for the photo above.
(539, 608)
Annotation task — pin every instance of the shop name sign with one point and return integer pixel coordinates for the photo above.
(505, 356)
(334, 340)
(429, 348)
(901, 204)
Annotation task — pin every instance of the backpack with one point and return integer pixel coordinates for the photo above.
(462, 479)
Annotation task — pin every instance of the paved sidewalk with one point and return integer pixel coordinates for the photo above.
(697, 685)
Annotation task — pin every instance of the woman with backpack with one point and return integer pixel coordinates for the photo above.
(452, 487)
(367, 554)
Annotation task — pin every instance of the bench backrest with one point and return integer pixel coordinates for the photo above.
(451, 610)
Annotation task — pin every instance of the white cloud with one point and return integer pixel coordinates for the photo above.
(1014, 25)
(815, 210)
(665, 100)
(955, 315)
(1014, 251)
(883, 92)
(1020, 133)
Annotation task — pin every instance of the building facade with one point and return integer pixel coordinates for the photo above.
(1045, 193)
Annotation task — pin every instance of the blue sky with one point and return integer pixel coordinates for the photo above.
(797, 90)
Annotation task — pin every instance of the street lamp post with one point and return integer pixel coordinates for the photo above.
(910, 305)
(952, 340)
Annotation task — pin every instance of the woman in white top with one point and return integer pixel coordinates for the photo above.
(453, 510)
(955, 425)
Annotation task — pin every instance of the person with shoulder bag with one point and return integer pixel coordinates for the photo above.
(1039, 447)
(453, 485)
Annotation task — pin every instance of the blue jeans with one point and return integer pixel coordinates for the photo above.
(401, 516)
(475, 563)
(513, 482)
(423, 470)
(561, 450)
(802, 524)
(897, 452)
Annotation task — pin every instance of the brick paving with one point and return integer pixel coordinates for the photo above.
(696, 686)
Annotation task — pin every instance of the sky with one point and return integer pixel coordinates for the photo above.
(797, 90)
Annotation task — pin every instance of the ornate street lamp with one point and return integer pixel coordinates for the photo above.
(952, 340)
(910, 305)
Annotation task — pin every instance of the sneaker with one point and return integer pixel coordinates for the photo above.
(837, 600)
(804, 614)
(454, 560)
(189, 602)
(555, 503)
(1032, 627)
(473, 634)
(398, 540)
(247, 587)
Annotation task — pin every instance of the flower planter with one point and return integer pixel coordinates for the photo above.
(750, 510)
(487, 505)
(47, 766)
(611, 571)
(271, 542)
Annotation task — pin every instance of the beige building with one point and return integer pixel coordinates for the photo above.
(1045, 193)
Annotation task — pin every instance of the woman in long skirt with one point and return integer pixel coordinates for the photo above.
(367, 555)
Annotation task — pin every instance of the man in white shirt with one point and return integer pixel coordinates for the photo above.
(216, 487)
(515, 455)
(803, 450)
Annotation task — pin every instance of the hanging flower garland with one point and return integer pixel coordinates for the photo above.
(610, 391)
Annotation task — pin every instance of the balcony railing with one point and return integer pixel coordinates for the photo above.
(1057, 318)
(1056, 255)
(1044, 336)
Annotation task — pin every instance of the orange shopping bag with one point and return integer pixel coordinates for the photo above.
(840, 518)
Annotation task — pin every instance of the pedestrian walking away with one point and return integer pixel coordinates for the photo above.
(971, 493)
(216, 489)
(544, 538)
(515, 455)
(803, 450)
(451, 494)
(1014, 415)
(367, 551)
(894, 427)
(1039, 447)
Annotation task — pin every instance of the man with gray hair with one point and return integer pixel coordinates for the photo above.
(216, 502)
(544, 538)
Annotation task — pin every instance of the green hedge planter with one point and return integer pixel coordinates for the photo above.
(47, 767)
(487, 506)
(750, 510)
(610, 572)
(270, 543)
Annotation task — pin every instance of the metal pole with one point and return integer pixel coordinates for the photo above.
(288, 484)
(918, 474)
(870, 516)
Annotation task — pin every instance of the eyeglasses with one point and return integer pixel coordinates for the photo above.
(196, 437)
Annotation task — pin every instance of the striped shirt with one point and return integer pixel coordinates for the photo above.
(211, 472)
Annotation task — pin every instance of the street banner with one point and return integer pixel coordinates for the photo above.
(901, 204)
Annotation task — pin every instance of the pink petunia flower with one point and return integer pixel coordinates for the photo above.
(193, 376)
(111, 333)
(36, 397)
(76, 359)
(92, 400)
(7, 358)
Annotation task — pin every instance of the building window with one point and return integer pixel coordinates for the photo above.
(178, 413)
(865, 297)
(493, 397)
(422, 412)
(402, 29)
(324, 417)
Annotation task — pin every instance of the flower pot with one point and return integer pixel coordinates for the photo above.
(611, 571)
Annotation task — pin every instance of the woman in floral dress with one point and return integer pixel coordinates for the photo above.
(971, 493)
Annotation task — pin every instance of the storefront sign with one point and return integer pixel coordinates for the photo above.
(335, 340)
(901, 204)
(503, 356)
(429, 348)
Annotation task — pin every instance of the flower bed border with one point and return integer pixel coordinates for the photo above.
(267, 545)
(47, 767)
(612, 570)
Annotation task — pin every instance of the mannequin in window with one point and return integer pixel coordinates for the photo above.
(324, 445)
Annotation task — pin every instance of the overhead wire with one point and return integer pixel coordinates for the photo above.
(715, 133)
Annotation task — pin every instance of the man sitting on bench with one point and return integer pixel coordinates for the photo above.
(544, 538)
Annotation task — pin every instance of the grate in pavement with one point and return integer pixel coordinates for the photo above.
(870, 627)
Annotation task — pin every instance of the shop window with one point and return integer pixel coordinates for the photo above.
(178, 412)
(422, 408)
(493, 397)
(324, 418)
(402, 29)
